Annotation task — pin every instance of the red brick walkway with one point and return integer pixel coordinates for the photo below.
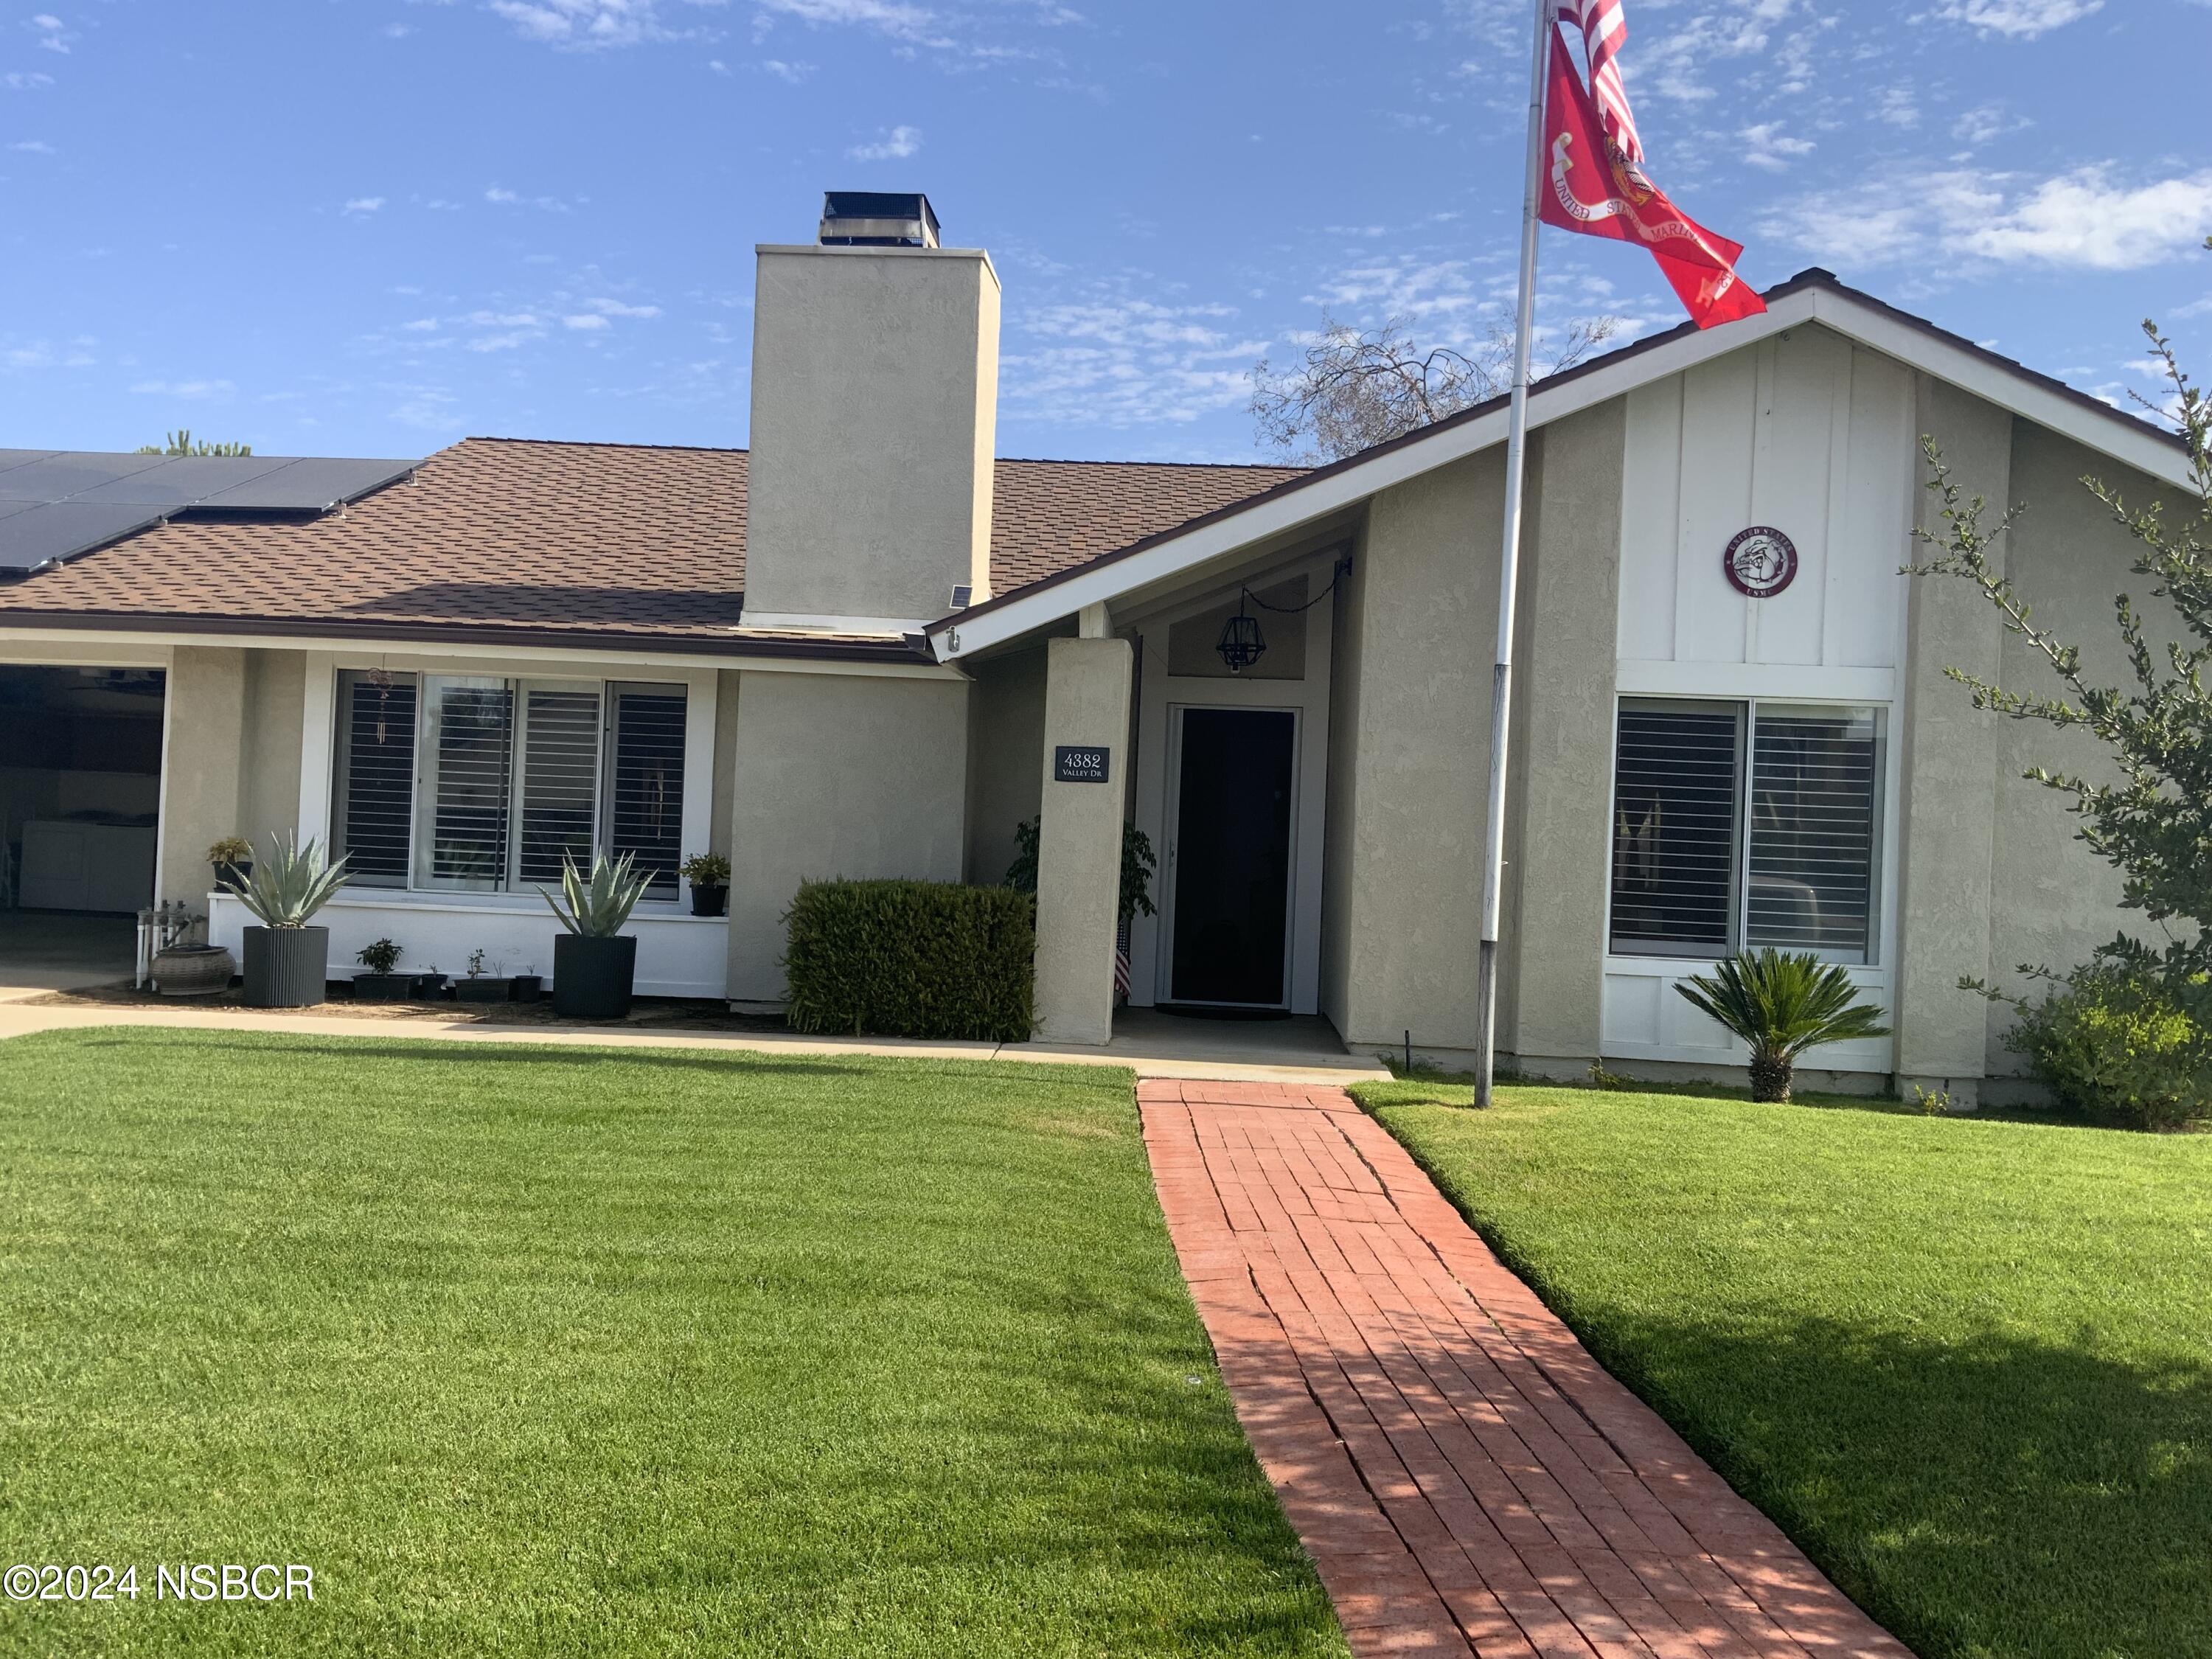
(1465, 1477)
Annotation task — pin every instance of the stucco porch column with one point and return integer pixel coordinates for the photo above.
(1086, 706)
(205, 705)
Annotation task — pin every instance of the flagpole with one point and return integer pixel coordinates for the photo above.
(1508, 562)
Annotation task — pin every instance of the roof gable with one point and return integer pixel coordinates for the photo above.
(1811, 296)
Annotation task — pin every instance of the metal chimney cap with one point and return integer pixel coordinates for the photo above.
(870, 218)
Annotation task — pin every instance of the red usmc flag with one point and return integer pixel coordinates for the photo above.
(1590, 187)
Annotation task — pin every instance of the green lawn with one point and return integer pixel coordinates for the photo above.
(551, 1351)
(1966, 1364)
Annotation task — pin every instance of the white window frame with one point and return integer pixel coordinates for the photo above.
(319, 786)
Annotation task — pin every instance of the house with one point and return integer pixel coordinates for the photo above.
(870, 647)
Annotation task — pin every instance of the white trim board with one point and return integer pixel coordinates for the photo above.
(2124, 437)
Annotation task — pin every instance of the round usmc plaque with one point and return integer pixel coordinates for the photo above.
(1760, 562)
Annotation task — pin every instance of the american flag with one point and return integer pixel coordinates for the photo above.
(1604, 29)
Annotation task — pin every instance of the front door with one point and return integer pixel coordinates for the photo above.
(1229, 860)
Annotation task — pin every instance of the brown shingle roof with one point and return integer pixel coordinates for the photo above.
(582, 543)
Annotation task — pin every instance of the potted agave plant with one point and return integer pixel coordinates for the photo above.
(595, 962)
(287, 960)
(709, 876)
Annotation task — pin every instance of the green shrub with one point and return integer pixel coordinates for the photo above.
(912, 959)
(2129, 1045)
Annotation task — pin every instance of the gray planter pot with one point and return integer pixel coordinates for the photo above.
(192, 970)
(381, 988)
(592, 977)
(482, 988)
(285, 966)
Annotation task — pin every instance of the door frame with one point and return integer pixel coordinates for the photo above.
(1160, 692)
(1163, 985)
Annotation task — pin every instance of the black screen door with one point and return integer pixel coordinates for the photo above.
(1232, 856)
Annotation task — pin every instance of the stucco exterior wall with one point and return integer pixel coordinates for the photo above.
(1553, 988)
(1087, 684)
(1420, 627)
(205, 710)
(726, 752)
(2053, 900)
(1948, 813)
(1005, 735)
(1341, 859)
(269, 784)
(874, 400)
(837, 775)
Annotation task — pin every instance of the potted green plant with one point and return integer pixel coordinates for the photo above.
(1781, 1006)
(429, 986)
(595, 962)
(485, 982)
(233, 859)
(380, 983)
(287, 960)
(709, 876)
(529, 984)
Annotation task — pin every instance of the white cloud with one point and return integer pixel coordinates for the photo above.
(34, 147)
(496, 194)
(53, 34)
(1900, 107)
(24, 79)
(1117, 360)
(583, 24)
(420, 326)
(915, 24)
(363, 205)
(501, 197)
(1986, 123)
(590, 320)
(2083, 220)
(2018, 19)
(187, 389)
(2086, 220)
(502, 319)
(1768, 147)
(617, 308)
(894, 146)
(792, 72)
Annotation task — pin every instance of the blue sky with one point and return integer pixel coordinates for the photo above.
(372, 227)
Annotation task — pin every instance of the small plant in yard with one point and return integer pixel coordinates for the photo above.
(1782, 1006)
(231, 849)
(381, 957)
(476, 964)
(599, 905)
(291, 884)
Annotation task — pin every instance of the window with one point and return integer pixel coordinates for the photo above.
(481, 784)
(1746, 825)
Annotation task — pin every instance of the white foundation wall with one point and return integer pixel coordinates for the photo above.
(1814, 436)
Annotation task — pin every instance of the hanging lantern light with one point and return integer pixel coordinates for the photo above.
(1242, 643)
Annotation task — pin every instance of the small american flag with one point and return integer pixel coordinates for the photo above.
(1121, 960)
(1604, 29)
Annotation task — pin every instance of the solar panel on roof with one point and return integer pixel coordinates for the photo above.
(58, 476)
(313, 483)
(55, 504)
(46, 531)
(186, 478)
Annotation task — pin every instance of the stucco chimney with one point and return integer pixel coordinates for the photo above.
(874, 418)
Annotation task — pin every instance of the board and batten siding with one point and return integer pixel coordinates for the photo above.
(1814, 436)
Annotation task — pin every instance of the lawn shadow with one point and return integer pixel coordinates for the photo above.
(432, 1049)
(1994, 1495)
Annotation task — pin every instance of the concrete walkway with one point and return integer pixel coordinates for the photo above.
(1465, 1477)
(1152, 1045)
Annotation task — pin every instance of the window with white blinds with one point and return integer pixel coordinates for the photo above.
(372, 816)
(1746, 824)
(559, 788)
(1814, 786)
(645, 781)
(477, 783)
(463, 790)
